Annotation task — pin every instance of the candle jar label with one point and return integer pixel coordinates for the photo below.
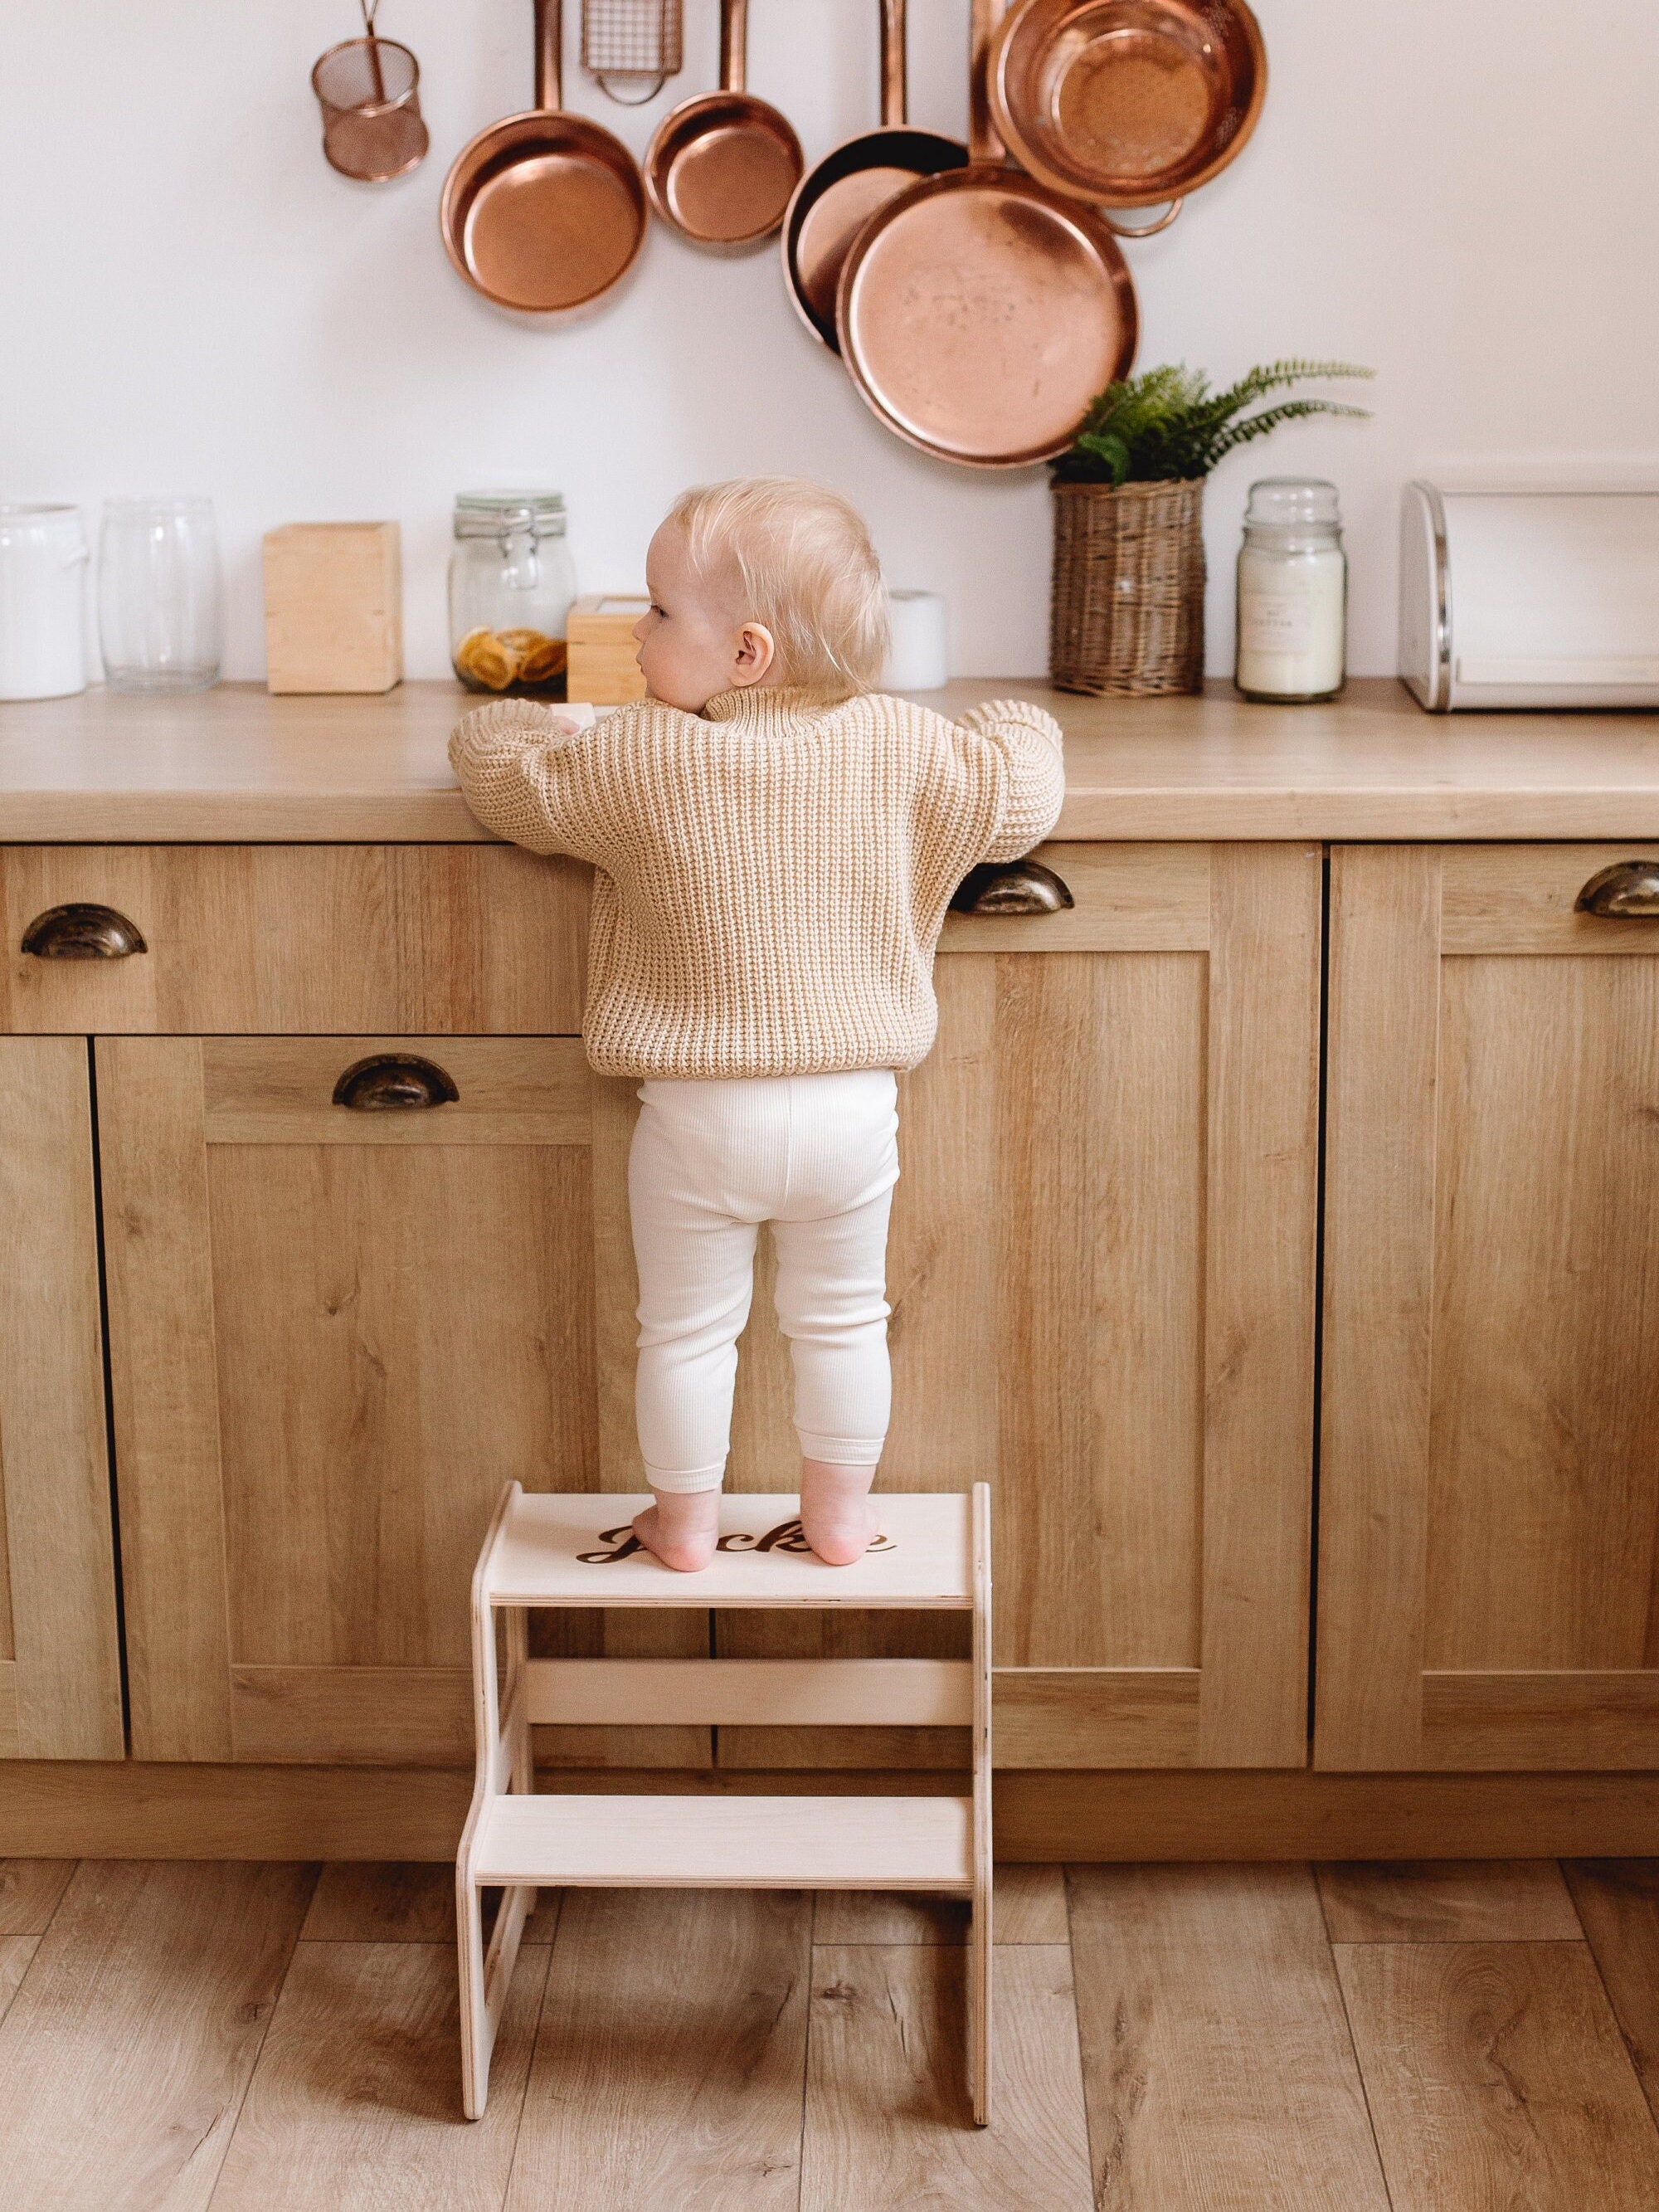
(1276, 622)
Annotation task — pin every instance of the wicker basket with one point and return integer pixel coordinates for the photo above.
(1127, 615)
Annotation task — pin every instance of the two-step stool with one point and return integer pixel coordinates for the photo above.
(933, 1552)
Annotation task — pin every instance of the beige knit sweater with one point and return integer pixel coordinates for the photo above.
(773, 874)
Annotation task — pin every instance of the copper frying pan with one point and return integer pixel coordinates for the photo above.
(1124, 103)
(979, 313)
(544, 210)
(832, 204)
(721, 167)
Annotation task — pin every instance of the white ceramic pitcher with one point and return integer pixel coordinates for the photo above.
(43, 562)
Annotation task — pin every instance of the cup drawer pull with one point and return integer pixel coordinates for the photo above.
(1627, 891)
(1011, 887)
(393, 1083)
(81, 932)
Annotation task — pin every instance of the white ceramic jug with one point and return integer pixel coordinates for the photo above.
(43, 560)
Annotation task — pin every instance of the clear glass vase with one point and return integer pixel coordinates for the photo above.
(159, 600)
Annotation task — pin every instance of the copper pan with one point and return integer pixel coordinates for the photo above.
(722, 168)
(834, 201)
(544, 211)
(1126, 103)
(979, 313)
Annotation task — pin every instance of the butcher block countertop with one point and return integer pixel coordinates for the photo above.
(233, 765)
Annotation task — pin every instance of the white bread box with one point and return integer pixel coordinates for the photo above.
(1529, 598)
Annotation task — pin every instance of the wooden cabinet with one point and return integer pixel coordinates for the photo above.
(60, 1680)
(1489, 1498)
(1101, 1272)
(334, 1334)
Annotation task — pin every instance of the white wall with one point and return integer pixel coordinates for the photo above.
(1460, 192)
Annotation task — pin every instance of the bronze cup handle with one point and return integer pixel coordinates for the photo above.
(394, 1083)
(1011, 887)
(1627, 891)
(82, 932)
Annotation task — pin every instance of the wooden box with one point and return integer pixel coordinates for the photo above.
(334, 607)
(602, 665)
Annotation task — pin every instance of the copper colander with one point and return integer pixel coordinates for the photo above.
(368, 90)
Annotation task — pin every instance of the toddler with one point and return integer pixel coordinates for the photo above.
(775, 845)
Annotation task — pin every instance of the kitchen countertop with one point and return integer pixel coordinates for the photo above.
(234, 765)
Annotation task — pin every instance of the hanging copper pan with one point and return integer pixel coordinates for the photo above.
(979, 313)
(834, 201)
(722, 168)
(1126, 103)
(545, 210)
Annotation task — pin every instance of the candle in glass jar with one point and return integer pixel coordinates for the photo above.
(1293, 593)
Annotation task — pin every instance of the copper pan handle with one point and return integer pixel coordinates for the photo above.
(734, 46)
(985, 148)
(549, 59)
(1145, 229)
(894, 93)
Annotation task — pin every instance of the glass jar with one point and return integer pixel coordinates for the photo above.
(1293, 593)
(43, 563)
(511, 582)
(160, 604)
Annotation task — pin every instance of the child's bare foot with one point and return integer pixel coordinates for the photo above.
(836, 1516)
(681, 1528)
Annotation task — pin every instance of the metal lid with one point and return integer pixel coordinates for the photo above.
(499, 513)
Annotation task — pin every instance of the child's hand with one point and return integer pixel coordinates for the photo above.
(568, 721)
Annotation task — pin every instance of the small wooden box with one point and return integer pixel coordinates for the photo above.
(603, 667)
(334, 607)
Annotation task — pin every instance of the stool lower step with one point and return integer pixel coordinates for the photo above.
(627, 1842)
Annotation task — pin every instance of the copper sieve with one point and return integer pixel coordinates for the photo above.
(1127, 103)
(368, 90)
(722, 168)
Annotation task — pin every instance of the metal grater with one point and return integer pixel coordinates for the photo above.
(639, 41)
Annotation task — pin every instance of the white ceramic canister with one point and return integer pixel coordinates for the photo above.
(1293, 593)
(43, 565)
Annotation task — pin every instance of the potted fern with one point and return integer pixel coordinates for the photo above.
(1128, 613)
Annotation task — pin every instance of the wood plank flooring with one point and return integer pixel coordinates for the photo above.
(1480, 2036)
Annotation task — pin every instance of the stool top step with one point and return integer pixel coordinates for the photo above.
(561, 1548)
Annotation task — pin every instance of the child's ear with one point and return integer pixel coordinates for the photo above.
(755, 652)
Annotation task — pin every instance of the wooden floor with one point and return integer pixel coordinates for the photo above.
(1434, 2038)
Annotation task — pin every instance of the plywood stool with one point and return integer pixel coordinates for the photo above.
(934, 1551)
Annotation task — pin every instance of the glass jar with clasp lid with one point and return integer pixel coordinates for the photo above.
(510, 583)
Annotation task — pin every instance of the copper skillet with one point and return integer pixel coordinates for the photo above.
(544, 210)
(722, 168)
(1126, 103)
(979, 313)
(833, 203)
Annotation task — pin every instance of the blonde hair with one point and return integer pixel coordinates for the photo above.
(807, 570)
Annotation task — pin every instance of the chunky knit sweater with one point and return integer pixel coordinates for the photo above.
(773, 874)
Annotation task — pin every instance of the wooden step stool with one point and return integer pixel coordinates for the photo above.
(934, 1551)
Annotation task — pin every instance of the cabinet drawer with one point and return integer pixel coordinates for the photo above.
(1125, 899)
(1523, 899)
(258, 939)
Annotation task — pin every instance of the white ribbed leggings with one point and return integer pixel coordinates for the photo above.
(817, 1156)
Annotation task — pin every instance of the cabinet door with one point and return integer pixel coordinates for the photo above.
(334, 1335)
(1102, 1273)
(60, 1674)
(1489, 1499)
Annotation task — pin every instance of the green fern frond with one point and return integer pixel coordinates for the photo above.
(1167, 423)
